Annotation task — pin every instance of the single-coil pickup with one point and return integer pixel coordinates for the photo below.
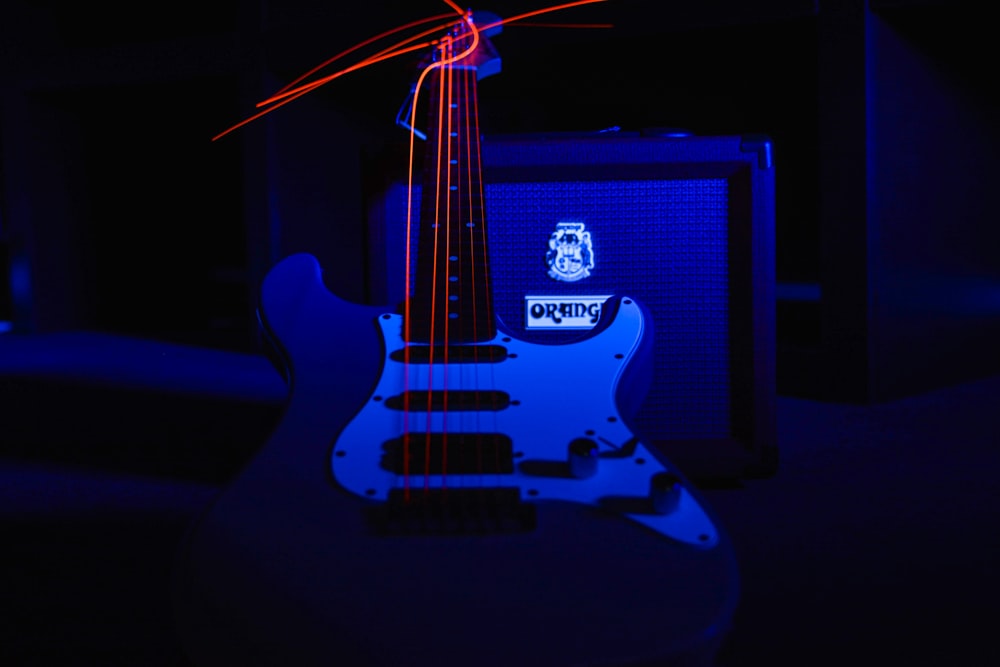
(459, 400)
(450, 354)
(449, 454)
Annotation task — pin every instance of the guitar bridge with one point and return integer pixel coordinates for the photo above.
(453, 512)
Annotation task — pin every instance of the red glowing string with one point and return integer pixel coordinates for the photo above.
(458, 10)
(445, 132)
(396, 49)
(360, 45)
(407, 308)
(520, 24)
(445, 107)
(289, 96)
(434, 263)
(470, 115)
(289, 88)
(289, 93)
(537, 12)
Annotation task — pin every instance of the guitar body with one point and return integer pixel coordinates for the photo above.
(292, 565)
(441, 494)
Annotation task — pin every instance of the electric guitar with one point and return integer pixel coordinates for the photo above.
(441, 493)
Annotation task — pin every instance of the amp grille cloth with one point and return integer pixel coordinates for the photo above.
(663, 242)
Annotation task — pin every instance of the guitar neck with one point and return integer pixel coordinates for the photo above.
(451, 297)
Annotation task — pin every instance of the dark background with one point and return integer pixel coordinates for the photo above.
(119, 215)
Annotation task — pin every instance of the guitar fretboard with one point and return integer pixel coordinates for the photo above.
(451, 302)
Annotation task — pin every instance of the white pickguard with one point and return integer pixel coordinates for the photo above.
(558, 393)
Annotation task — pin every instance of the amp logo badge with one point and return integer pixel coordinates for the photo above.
(563, 312)
(571, 254)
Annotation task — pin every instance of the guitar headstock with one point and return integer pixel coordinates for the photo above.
(474, 33)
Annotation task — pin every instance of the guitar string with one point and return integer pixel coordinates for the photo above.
(448, 57)
(468, 281)
(442, 213)
(468, 270)
(472, 230)
(447, 97)
(470, 256)
(485, 270)
(291, 88)
(449, 77)
(407, 324)
(476, 243)
(455, 131)
(289, 93)
(408, 294)
(436, 226)
(468, 80)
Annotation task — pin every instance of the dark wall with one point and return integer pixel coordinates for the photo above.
(883, 142)
(934, 146)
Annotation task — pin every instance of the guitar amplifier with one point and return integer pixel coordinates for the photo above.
(683, 224)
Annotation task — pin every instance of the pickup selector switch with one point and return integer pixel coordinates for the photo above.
(583, 454)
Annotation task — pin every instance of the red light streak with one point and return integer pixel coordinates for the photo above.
(434, 270)
(289, 92)
(407, 311)
(563, 25)
(388, 53)
(458, 10)
(290, 95)
(384, 54)
(444, 106)
(371, 60)
(292, 91)
(360, 45)
(537, 12)
(443, 158)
